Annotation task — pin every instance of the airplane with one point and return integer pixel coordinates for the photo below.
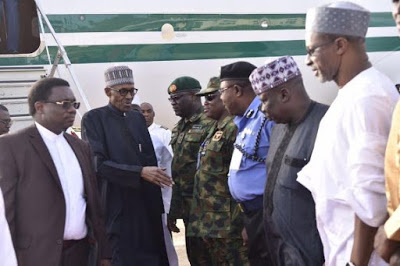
(162, 40)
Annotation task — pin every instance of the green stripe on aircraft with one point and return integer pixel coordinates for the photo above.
(187, 51)
(73, 23)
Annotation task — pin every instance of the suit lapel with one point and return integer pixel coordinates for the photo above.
(43, 153)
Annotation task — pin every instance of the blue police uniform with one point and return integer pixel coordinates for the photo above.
(247, 176)
(247, 179)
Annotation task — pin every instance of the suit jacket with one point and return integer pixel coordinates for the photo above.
(34, 199)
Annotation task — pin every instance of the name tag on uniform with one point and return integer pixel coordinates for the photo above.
(236, 160)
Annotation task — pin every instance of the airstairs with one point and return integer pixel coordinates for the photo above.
(15, 83)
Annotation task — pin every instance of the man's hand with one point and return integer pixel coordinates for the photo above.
(156, 176)
(384, 246)
(244, 236)
(105, 262)
(172, 226)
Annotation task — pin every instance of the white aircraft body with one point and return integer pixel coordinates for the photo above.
(162, 40)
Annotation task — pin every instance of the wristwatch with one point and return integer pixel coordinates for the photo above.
(350, 264)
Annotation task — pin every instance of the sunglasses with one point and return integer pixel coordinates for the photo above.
(176, 98)
(210, 97)
(123, 92)
(67, 104)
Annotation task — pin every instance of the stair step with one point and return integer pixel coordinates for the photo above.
(27, 68)
(21, 75)
(16, 106)
(20, 122)
(9, 91)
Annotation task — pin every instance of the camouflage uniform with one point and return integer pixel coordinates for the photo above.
(215, 216)
(186, 139)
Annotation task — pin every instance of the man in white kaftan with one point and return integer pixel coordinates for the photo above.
(345, 173)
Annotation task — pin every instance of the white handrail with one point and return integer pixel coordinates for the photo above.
(63, 54)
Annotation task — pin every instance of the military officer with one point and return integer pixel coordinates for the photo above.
(187, 136)
(215, 216)
(247, 173)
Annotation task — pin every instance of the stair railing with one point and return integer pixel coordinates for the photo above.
(62, 53)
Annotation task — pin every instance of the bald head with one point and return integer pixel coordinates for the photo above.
(148, 113)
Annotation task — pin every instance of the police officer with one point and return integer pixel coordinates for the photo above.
(247, 173)
(215, 216)
(187, 136)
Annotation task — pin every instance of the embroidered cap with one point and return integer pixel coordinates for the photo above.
(212, 86)
(184, 84)
(273, 74)
(117, 75)
(237, 70)
(341, 18)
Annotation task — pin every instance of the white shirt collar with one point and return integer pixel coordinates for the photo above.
(152, 126)
(47, 134)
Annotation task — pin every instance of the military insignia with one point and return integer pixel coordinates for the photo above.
(196, 129)
(173, 88)
(218, 135)
(197, 126)
(180, 137)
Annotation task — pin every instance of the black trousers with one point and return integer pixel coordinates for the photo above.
(258, 250)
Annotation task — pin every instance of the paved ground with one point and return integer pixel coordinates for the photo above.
(179, 243)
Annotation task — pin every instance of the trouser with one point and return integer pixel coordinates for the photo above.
(194, 245)
(12, 19)
(258, 250)
(222, 252)
(76, 254)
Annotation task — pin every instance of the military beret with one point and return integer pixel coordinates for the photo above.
(184, 84)
(237, 70)
(212, 86)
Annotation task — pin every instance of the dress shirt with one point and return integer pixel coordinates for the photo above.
(70, 175)
(7, 253)
(247, 177)
(345, 173)
(392, 174)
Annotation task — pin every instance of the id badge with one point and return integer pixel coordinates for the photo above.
(236, 160)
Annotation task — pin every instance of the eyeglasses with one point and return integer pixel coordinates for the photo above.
(210, 97)
(311, 51)
(123, 92)
(221, 90)
(66, 104)
(175, 98)
(6, 122)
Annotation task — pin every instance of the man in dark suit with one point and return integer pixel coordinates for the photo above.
(49, 184)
